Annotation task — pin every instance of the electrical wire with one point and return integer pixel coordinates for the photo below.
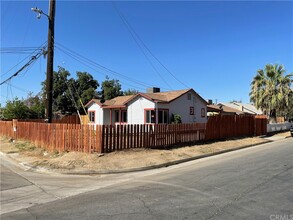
(34, 51)
(32, 60)
(134, 34)
(11, 93)
(80, 57)
(17, 49)
(73, 100)
(87, 62)
(16, 87)
(84, 63)
(140, 47)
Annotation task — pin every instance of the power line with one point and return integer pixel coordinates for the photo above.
(86, 61)
(78, 56)
(7, 49)
(38, 48)
(11, 93)
(141, 49)
(134, 34)
(17, 87)
(32, 60)
(16, 52)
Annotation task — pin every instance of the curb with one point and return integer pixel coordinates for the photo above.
(93, 172)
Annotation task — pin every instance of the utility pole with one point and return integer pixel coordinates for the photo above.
(50, 60)
(50, 57)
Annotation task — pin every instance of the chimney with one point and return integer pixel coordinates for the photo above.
(153, 90)
(210, 101)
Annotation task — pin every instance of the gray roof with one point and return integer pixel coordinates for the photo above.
(249, 108)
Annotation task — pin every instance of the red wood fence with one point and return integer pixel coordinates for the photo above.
(6, 129)
(227, 126)
(107, 138)
(149, 136)
(68, 119)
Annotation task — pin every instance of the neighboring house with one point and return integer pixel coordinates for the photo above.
(247, 108)
(224, 110)
(149, 108)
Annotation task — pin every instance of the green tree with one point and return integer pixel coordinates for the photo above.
(289, 113)
(130, 92)
(1, 112)
(61, 97)
(69, 92)
(86, 87)
(110, 89)
(270, 90)
(16, 109)
(36, 104)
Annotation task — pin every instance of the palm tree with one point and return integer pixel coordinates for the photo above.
(270, 90)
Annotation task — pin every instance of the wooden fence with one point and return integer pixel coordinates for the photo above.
(55, 137)
(108, 138)
(150, 136)
(6, 129)
(68, 119)
(227, 126)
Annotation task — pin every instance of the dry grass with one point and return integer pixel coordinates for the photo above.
(132, 158)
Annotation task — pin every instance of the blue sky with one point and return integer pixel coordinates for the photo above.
(214, 47)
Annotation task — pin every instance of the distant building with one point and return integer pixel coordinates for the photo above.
(247, 108)
(224, 110)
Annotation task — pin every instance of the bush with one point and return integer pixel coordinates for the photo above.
(176, 119)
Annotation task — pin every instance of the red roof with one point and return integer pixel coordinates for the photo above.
(161, 97)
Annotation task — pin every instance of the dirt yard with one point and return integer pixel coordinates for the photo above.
(26, 153)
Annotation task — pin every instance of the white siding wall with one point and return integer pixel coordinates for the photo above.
(98, 113)
(135, 110)
(182, 106)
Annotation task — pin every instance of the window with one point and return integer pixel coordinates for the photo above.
(116, 116)
(123, 116)
(203, 113)
(92, 116)
(163, 116)
(150, 116)
(191, 110)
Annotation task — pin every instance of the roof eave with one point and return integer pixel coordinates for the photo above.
(114, 106)
(92, 101)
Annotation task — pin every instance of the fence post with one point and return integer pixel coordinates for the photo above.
(254, 125)
(100, 134)
(14, 128)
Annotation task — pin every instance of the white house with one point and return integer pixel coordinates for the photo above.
(149, 108)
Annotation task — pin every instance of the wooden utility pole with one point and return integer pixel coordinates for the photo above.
(50, 60)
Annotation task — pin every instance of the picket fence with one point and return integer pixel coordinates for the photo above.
(108, 138)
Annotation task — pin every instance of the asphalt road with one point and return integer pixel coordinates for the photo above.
(254, 183)
(11, 180)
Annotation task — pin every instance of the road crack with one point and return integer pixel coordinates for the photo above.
(34, 217)
(145, 206)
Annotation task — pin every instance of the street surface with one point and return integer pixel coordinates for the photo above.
(253, 183)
